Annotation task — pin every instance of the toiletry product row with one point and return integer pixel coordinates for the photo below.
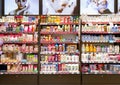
(19, 69)
(97, 48)
(100, 38)
(101, 69)
(60, 19)
(19, 48)
(60, 58)
(18, 58)
(17, 28)
(100, 58)
(99, 19)
(59, 69)
(63, 28)
(59, 49)
(19, 38)
(23, 19)
(100, 28)
(51, 38)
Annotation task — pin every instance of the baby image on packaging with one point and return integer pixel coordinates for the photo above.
(96, 7)
(59, 7)
(21, 7)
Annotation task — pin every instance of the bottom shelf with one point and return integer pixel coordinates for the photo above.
(18, 73)
(101, 68)
(102, 72)
(59, 72)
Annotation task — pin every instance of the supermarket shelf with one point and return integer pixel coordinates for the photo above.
(101, 62)
(101, 42)
(52, 42)
(30, 53)
(102, 72)
(59, 72)
(11, 33)
(20, 52)
(9, 63)
(55, 24)
(95, 22)
(18, 73)
(104, 52)
(58, 33)
(43, 62)
(92, 32)
(52, 53)
(28, 23)
(113, 53)
(29, 32)
(100, 22)
(15, 23)
(96, 43)
(19, 33)
(20, 42)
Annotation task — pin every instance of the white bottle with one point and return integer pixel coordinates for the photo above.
(76, 58)
(83, 48)
(117, 49)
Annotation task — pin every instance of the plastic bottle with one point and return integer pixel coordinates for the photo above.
(91, 48)
(87, 48)
(115, 28)
(33, 28)
(94, 48)
(83, 48)
(56, 58)
(111, 27)
(63, 47)
(56, 47)
(35, 37)
(74, 28)
(60, 48)
(53, 47)
(49, 48)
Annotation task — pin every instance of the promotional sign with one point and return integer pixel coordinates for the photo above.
(21, 7)
(59, 7)
(96, 7)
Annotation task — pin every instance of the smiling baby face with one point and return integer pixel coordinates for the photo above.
(59, 5)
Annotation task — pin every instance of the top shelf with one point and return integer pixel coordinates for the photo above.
(15, 23)
(18, 32)
(93, 32)
(100, 22)
(55, 24)
(58, 33)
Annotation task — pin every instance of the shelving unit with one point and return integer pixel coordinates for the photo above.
(59, 49)
(60, 55)
(19, 52)
(54, 42)
(96, 69)
(63, 49)
(99, 40)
